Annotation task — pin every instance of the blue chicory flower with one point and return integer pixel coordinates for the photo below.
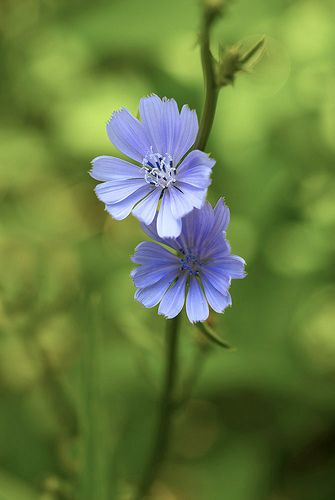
(157, 144)
(200, 265)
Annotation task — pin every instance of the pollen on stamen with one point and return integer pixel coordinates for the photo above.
(159, 170)
(190, 264)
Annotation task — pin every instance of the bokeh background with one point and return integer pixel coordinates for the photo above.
(80, 361)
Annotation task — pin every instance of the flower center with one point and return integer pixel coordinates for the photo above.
(159, 170)
(191, 264)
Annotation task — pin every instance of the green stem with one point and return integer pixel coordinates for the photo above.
(89, 400)
(211, 87)
(191, 381)
(166, 408)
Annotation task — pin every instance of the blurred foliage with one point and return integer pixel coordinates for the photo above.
(80, 361)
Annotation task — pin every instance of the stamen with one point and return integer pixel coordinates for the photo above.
(159, 170)
(190, 264)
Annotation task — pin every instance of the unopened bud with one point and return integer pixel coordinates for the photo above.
(229, 64)
(231, 61)
(216, 5)
(213, 9)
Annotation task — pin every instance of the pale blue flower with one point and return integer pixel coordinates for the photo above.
(200, 266)
(158, 144)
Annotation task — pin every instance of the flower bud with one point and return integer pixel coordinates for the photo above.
(229, 64)
(231, 60)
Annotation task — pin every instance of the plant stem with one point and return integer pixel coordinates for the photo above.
(166, 408)
(211, 87)
(90, 397)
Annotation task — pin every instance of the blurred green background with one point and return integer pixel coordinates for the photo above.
(80, 361)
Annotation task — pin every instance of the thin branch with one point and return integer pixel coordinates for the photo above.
(166, 409)
(211, 88)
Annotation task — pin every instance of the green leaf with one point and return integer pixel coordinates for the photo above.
(256, 49)
(211, 335)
